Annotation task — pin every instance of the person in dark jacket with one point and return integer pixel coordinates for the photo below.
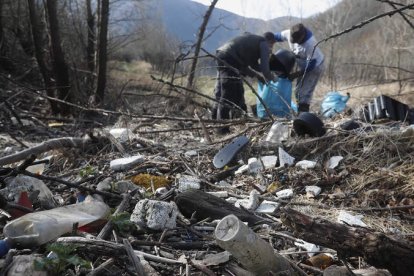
(240, 57)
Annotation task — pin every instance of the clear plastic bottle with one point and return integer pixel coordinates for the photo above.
(277, 133)
(41, 227)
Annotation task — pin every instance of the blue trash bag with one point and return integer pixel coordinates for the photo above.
(277, 96)
(333, 103)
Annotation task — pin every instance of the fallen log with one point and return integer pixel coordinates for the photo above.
(52, 144)
(378, 249)
(205, 206)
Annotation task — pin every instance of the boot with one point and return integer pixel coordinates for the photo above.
(303, 107)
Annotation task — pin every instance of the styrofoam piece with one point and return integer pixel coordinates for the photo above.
(231, 200)
(267, 207)
(313, 190)
(285, 159)
(306, 164)
(269, 161)
(156, 215)
(251, 203)
(286, 193)
(242, 169)
(313, 248)
(355, 220)
(122, 134)
(333, 162)
(187, 182)
(221, 194)
(191, 153)
(123, 164)
(255, 165)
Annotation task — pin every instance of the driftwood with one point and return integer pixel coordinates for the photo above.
(106, 248)
(205, 206)
(377, 248)
(52, 144)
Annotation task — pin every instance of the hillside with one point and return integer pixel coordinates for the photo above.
(182, 18)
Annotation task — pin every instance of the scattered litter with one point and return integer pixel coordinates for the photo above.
(251, 203)
(255, 165)
(347, 218)
(123, 164)
(285, 159)
(310, 247)
(267, 207)
(242, 169)
(187, 182)
(286, 193)
(156, 215)
(306, 164)
(122, 134)
(333, 162)
(278, 133)
(191, 153)
(269, 161)
(312, 191)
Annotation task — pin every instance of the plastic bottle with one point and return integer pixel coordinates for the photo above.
(277, 133)
(41, 227)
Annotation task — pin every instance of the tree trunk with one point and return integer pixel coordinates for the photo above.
(201, 31)
(39, 45)
(377, 249)
(60, 66)
(102, 51)
(205, 205)
(90, 48)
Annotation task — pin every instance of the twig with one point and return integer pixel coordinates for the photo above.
(134, 258)
(106, 230)
(101, 268)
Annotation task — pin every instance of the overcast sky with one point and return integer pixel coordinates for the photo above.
(269, 9)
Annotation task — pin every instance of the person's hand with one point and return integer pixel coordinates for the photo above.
(295, 75)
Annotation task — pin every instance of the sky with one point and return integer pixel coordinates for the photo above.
(269, 9)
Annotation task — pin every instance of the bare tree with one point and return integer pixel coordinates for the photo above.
(199, 41)
(60, 66)
(102, 50)
(39, 46)
(90, 48)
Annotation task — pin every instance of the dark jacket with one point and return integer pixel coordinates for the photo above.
(247, 49)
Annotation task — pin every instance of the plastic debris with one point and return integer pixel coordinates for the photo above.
(35, 188)
(156, 215)
(267, 207)
(278, 133)
(286, 193)
(312, 248)
(269, 161)
(334, 103)
(347, 218)
(187, 182)
(333, 162)
(251, 203)
(255, 165)
(306, 164)
(285, 159)
(242, 169)
(123, 164)
(37, 228)
(122, 134)
(312, 191)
